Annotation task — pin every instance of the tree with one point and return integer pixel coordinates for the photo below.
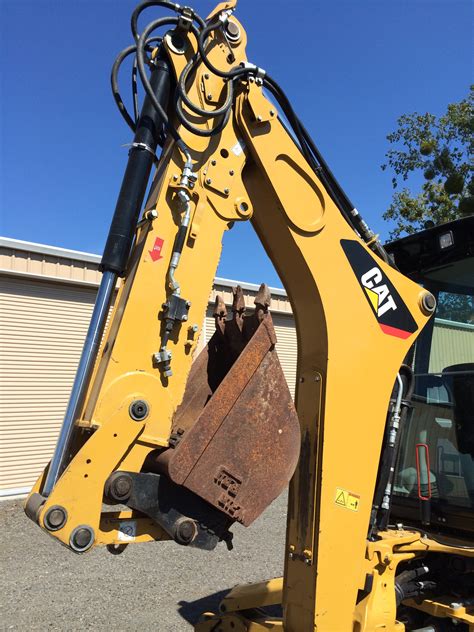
(441, 148)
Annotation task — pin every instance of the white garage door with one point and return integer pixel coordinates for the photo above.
(42, 328)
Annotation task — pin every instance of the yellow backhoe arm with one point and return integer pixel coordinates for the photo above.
(190, 457)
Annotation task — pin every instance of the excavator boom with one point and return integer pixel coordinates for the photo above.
(191, 448)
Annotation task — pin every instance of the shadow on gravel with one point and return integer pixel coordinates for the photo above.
(192, 610)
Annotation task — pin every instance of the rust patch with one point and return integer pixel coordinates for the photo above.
(240, 436)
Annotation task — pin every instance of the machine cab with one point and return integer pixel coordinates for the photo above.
(434, 479)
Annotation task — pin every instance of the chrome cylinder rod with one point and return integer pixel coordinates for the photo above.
(82, 379)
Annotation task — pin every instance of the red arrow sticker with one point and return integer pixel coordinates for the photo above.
(155, 254)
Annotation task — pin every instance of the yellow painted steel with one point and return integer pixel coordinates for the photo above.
(257, 595)
(346, 365)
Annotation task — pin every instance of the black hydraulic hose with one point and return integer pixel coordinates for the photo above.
(137, 174)
(341, 193)
(386, 474)
(308, 147)
(158, 3)
(287, 108)
(322, 170)
(115, 86)
(355, 217)
(192, 65)
(231, 74)
(136, 109)
(197, 130)
(146, 83)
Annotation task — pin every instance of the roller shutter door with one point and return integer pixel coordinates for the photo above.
(286, 345)
(42, 328)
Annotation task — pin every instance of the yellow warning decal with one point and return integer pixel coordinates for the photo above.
(347, 499)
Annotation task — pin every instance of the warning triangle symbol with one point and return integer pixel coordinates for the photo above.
(340, 499)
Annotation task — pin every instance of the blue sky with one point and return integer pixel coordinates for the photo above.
(350, 69)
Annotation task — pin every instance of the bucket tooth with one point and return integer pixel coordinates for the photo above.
(263, 299)
(238, 306)
(220, 314)
(262, 303)
(235, 338)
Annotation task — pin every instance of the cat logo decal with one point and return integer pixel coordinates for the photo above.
(392, 314)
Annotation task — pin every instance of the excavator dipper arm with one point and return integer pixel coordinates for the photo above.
(191, 448)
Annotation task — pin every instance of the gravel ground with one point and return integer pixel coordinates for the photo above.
(154, 587)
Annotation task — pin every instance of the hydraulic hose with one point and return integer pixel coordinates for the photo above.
(191, 65)
(158, 3)
(115, 86)
(137, 173)
(142, 70)
(231, 74)
(397, 419)
(197, 130)
(322, 170)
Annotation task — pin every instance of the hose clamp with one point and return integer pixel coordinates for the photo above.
(186, 18)
(143, 146)
(259, 73)
(225, 15)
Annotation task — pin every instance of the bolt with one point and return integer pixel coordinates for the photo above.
(226, 191)
(272, 112)
(186, 531)
(301, 379)
(259, 118)
(119, 487)
(232, 30)
(152, 214)
(291, 556)
(206, 75)
(231, 172)
(138, 410)
(208, 180)
(307, 562)
(184, 317)
(188, 304)
(82, 538)
(194, 328)
(175, 177)
(213, 163)
(55, 518)
(455, 605)
(317, 378)
(428, 303)
(209, 96)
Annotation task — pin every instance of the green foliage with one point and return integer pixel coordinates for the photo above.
(456, 307)
(441, 148)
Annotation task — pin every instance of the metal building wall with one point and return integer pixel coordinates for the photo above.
(42, 327)
(453, 343)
